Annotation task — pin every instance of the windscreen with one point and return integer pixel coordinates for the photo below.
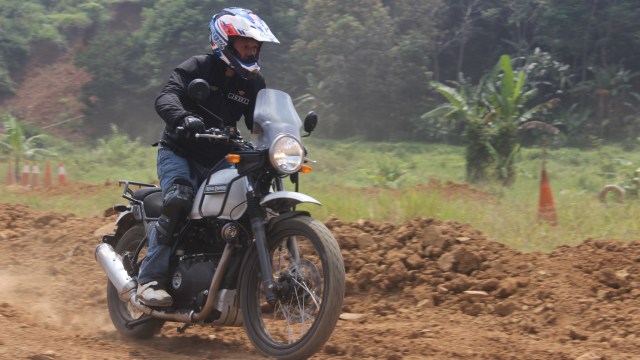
(274, 114)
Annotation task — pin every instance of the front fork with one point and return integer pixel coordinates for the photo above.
(257, 216)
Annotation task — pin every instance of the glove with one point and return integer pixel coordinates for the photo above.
(193, 125)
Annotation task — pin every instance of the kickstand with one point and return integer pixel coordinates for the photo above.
(184, 327)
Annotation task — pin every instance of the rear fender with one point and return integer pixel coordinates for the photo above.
(125, 221)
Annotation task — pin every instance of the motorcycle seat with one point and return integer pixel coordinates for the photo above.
(153, 204)
(142, 193)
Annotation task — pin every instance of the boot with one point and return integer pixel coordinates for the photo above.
(153, 294)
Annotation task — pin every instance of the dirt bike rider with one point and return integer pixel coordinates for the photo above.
(232, 72)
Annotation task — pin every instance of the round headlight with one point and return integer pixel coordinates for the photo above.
(286, 154)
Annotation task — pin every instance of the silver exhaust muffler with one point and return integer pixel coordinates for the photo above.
(126, 286)
(111, 263)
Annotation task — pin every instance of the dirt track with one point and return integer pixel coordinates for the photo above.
(422, 289)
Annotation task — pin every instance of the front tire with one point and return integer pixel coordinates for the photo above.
(307, 263)
(120, 311)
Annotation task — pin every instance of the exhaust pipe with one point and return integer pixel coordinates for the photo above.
(126, 286)
(111, 263)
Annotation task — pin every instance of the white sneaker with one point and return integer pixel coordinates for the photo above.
(152, 294)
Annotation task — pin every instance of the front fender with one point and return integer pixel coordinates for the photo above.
(286, 200)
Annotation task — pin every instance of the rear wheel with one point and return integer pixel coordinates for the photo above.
(120, 311)
(307, 264)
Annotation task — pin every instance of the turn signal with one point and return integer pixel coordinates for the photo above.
(120, 208)
(233, 158)
(305, 169)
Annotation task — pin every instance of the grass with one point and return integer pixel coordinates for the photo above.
(380, 181)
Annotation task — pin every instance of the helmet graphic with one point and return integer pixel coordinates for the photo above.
(232, 22)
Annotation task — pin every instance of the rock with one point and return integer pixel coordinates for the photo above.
(447, 262)
(363, 241)
(505, 308)
(622, 274)
(617, 342)
(460, 260)
(610, 279)
(467, 261)
(473, 309)
(589, 356)
(427, 303)
(351, 286)
(432, 236)
(414, 262)
(577, 335)
(473, 295)
(351, 316)
(507, 288)
(459, 284)
(490, 285)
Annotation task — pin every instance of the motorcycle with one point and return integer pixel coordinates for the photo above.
(245, 256)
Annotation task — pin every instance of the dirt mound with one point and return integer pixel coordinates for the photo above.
(423, 288)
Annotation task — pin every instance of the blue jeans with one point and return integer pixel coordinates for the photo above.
(155, 266)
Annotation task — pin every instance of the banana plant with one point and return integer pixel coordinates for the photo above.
(18, 146)
(492, 111)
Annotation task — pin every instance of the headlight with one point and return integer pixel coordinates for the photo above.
(286, 154)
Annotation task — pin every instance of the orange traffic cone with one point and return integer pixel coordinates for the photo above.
(546, 207)
(11, 174)
(35, 175)
(62, 176)
(24, 175)
(47, 174)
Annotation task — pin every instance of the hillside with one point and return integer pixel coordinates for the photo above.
(48, 94)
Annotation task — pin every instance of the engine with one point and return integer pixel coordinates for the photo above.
(191, 279)
(197, 258)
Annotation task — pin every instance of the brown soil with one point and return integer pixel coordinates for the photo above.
(422, 289)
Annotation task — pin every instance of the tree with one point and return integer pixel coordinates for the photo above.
(349, 46)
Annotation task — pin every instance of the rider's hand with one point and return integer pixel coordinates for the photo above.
(193, 125)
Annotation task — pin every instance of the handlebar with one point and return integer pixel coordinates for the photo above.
(213, 137)
(229, 133)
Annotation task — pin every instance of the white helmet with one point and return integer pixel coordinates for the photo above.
(236, 21)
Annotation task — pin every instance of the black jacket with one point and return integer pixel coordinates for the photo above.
(230, 99)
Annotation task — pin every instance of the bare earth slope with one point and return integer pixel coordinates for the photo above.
(422, 289)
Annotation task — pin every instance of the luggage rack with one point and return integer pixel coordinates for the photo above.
(128, 193)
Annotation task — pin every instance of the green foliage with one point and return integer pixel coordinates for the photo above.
(491, 111)
(18, 146)
(365, 66)
(388, 173)
(353, 62)
(114, 158)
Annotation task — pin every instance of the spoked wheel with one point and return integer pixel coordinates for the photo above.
(309, 269)
(122, 312)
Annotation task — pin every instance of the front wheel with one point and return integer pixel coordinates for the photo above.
(309, 268)
(122, 312)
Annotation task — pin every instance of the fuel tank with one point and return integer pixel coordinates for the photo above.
(210, 197)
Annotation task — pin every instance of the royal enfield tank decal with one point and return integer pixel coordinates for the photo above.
(215, 189)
